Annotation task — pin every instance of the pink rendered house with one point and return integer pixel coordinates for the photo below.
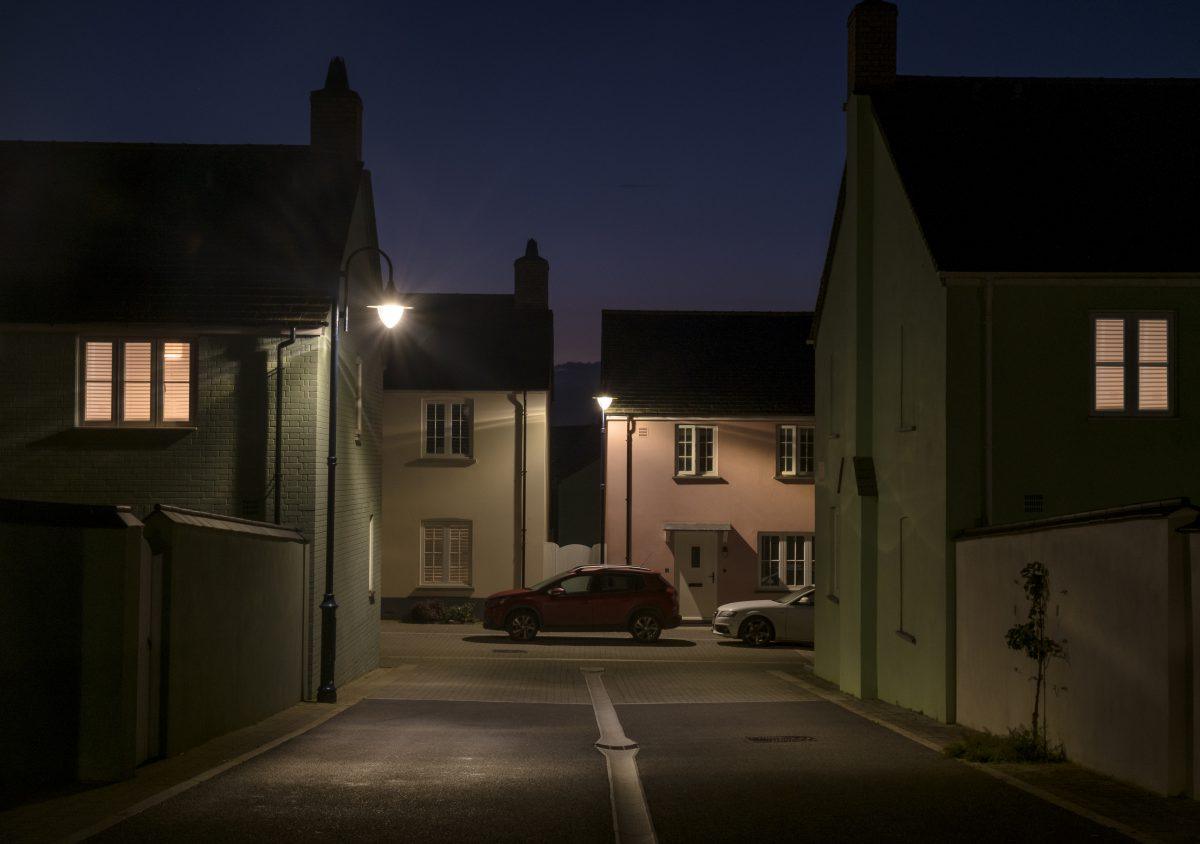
(710, 455)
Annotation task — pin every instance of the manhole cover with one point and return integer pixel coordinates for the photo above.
(779, 739)
(508, 651)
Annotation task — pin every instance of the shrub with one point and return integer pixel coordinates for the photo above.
(1020, 745)
(460, 614)
(429, 612)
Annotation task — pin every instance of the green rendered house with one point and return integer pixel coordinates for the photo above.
(1006, 330)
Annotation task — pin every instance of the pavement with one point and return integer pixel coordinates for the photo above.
(464, 735)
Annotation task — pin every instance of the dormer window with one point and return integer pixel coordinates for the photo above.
(137, 383)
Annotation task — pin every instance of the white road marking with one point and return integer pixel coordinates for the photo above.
(631, 815)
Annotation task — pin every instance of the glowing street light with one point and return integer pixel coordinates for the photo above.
(605, 401)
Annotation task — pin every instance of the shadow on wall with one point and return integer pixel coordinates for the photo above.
(250, 394)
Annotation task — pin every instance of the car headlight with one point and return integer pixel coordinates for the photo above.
(726, 613)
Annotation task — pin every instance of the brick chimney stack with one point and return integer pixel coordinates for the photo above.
(335, 118)
(872, 54)
(532, 286)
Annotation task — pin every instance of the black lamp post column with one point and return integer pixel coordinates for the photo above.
(603, 480)
(327, 691)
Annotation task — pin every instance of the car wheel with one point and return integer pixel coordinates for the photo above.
(645, 627)
(758, 632)
(522, 625)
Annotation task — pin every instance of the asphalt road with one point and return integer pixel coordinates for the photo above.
(477, 739)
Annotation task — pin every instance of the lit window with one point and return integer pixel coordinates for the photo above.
(136, 383)
(447, 429)
(695, 450)
(794, 451)
(1131, 364)
(785, 560)
(446, 553)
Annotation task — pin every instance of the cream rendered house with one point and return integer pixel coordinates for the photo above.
(465, 443)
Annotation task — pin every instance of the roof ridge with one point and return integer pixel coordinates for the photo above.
(675, 311)
(1056, 79)
(148, 144)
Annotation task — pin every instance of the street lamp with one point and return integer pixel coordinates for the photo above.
(605, 401)
(390, 311)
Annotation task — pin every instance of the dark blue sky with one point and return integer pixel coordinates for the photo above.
(665, 155)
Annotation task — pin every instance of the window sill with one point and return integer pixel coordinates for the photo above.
(906, 636)
(833, 599)
(1132, 417)
(699, 479)
(447, 462)
(446, 587)
(95, 436)
(794, 479)
(906, 429)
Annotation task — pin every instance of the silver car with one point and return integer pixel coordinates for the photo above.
(788, 618)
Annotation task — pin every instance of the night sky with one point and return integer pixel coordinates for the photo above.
(665, 155)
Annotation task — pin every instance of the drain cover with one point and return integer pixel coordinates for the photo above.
(508, 651)
(779, 739)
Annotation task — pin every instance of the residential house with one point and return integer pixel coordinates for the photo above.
(1006, 315)
(710, 451)
(465, 443)
(148, 293)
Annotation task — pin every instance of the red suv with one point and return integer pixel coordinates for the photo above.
(588, 598)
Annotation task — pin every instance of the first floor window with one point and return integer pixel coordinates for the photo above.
(136, 382)
(446, 553)
(785, 560)
(448, 428)
(695, 450)
(1131, 364)
(794, 451)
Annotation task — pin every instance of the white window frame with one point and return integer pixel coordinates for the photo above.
(442, 527)
(117, 380)
(801, 464)
(1131, 366)
(447, 403)
(803, 543)
(691, 458)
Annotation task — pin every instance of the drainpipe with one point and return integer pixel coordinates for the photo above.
(630, 424)
(524, 479)
(519, 469)
(279, 423)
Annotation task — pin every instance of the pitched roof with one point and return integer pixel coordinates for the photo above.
(707, 363)
(470, 341)
(1049, 175)
(194, 234)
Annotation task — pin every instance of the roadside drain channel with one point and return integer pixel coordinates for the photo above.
(631, 816)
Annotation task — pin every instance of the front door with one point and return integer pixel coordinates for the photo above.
(696, 572)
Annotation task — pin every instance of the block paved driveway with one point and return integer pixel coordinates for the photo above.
(471, 737)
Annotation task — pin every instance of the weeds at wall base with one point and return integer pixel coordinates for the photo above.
(1019, 745)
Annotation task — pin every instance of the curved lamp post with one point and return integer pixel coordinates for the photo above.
(605, 402)
(390, 311)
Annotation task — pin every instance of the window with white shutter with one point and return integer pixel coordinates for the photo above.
(136, 382)
(1131, 365)
(446, 553)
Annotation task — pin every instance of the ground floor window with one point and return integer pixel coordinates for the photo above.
(446, 553)
(785, 560)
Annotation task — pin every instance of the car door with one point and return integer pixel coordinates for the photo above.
(800, 617)
(570, 608)
(613, 597)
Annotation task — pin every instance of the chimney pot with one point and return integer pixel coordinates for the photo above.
(872, 50)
